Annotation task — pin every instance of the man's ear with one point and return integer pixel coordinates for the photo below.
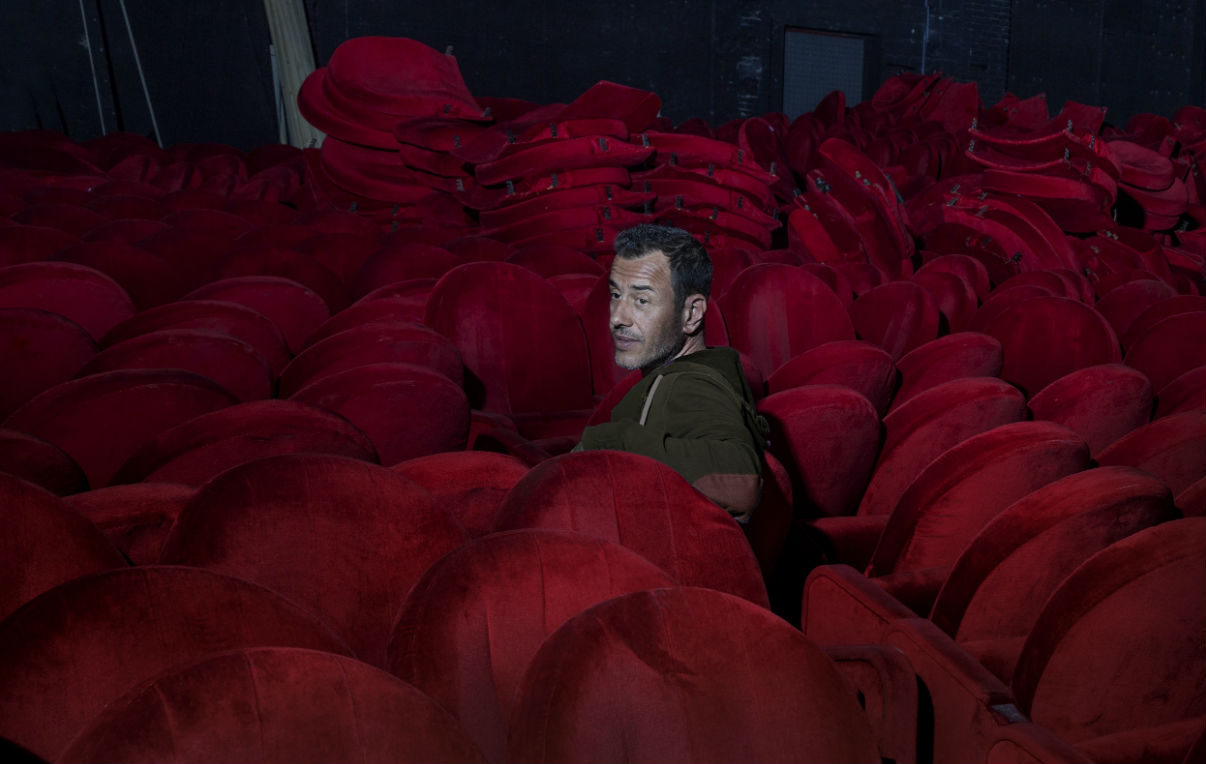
(694, 308)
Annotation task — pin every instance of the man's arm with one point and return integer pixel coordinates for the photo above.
(696, 427)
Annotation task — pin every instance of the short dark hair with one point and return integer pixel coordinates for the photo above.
(690, 266)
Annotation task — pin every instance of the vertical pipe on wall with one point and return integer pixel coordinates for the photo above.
(141, 77)
(295, 61)
(100, 109)
(925, 35)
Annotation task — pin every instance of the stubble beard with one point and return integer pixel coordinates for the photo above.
(657, 354)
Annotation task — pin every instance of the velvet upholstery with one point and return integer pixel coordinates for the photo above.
(774, 312)
(38, 350)
(124, 231)
(194, 451)
(1172, 448)
(406, 410)
(372, 309)
(146, 277)
(100, 420)
(962, 354)
(41, 463)
(1173, 306)
(1170, 348)
(954, 297)
(969, 270)
(28, 243)
(230, 362)
(826, 436)
(898, 316)
(344, 538)
(552, 260)
(471, 484)
(930, 423)
(376, 342)
(288, 264)
(1122, 305)
(669, 675)
(295, 309)
(969, 484)
(239, 321)
(1091, 668)
(402, 261)
(44, 543)
(86, 296)
(505, 320)
(995, 590)
(136, 518)
(273, 704)
(70, 218)
(641, 504)
(1184, 393)
(1098, 403)
(77, 648)
(857, 364)
(1044, 338)
(470, 626)
(1192, 500)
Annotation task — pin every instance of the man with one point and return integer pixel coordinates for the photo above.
(693, 409)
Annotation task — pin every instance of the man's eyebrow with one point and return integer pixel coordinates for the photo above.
(637, 287)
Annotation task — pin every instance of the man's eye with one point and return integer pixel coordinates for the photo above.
(615, 295)
(642, 301)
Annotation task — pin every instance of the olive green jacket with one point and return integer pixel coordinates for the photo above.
(697, 416)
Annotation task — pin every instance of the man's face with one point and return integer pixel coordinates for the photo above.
(646, 322)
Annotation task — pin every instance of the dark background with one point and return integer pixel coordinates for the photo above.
(69, 64)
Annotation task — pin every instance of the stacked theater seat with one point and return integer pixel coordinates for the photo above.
(283, 434)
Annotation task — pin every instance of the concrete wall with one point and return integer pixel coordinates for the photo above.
(208, 72)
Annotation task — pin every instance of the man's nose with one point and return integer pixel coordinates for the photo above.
(620, 314)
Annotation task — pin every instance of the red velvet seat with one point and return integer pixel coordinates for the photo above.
(1004, 300)
(969, 270)
(376, 342)
(343, 254)
(1192, 500)
(146, 277)
(136, 518)
(194, 451)
(275, 704)
(343, 538)
(1045, 338)
(406, 410)
(1090, 668)
(826, 436)
(294, 308)
(1185, 393)
(230, 362)
(82, 645)
(929, 424)
(954, 297)
(856, 364)
(86, 296)
(1173, 448)
(470, 626)
(239, 321)
(1123, 304)
(504, 319)
(775, 312)
(968, 485)
(958, 355)
(283, 263)
(100, 420)
(69, 218)
(996, 589)
(1170, 348)
(45, 543)
(471, 484)
(41, 463)
(641, 504)
(27, 243)
(38, 350)
(125, 231)
(1173, 306)
(402, 261)
(669, 675)
(898, 316)
(1098, 403)
(552, 260)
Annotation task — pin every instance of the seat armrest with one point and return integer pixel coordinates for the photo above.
(841, 606)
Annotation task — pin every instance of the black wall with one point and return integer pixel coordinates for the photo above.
(208, 72)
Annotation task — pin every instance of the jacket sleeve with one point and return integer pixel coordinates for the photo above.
(697, 428)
